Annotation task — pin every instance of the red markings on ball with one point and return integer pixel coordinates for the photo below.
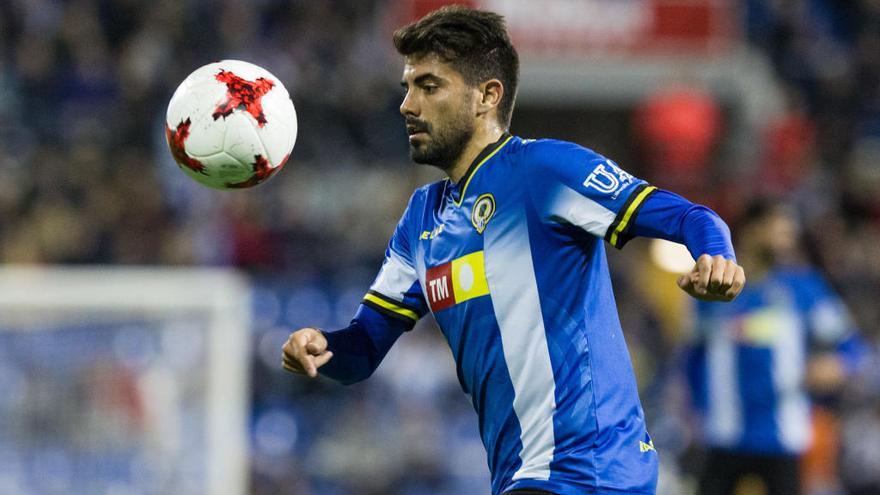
(175, 140)
(262, 171)
(244, 94)
(282, 163)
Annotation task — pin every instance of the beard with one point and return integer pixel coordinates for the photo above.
(443, 144)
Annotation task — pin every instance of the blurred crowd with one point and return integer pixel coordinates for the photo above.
(86, 178)
(824, 151)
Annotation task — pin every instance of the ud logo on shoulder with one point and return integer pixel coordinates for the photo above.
(482, 212)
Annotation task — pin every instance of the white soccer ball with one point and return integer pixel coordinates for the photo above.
(231, 125)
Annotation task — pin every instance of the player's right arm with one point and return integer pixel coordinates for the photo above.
(392, 306)
(347, 355)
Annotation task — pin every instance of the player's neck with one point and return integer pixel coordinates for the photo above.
(481, 139)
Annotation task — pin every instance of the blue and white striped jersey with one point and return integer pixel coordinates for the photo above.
(748, 362)
(511, 263)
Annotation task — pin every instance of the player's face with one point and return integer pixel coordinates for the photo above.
(777, 237)
(781, 235)
(439, 111)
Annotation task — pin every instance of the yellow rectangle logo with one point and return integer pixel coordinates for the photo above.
(469, 277)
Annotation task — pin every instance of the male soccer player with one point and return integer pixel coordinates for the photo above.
(752, 361)
(507, 254)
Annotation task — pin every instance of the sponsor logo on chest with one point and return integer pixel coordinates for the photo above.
(457, 281)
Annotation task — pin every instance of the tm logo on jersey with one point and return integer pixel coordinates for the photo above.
(457, 281)
(608, 178)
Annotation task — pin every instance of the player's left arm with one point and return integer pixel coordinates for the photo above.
(716, 276)
(573, 185)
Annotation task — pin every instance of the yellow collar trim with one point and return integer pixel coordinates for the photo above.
(474, 172)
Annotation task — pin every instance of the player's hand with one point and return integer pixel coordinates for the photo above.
(305, 351)
(713, 278)
(825, 373)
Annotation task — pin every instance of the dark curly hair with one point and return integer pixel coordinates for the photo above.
(474, 42)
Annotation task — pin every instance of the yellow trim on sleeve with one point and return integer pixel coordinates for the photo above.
(392, 307)
(484, 160)
(629, 213)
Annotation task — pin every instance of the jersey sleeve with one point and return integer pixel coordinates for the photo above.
(359, 348)
(576, 186)
(669, 216)
(396, 291)
(831, 327)
(827, 318)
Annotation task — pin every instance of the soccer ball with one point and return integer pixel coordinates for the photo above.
(231, 125)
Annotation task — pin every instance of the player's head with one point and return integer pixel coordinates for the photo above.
(770, 230)
(460, 68)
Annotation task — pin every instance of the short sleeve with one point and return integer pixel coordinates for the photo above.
(396, 290)
(574, 185)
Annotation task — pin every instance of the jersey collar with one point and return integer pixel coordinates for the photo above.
(488, 152)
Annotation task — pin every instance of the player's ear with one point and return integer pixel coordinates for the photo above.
(491, 93)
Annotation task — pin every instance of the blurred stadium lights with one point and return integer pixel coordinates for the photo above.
(602, 53)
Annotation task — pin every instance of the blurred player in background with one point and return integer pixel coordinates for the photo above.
(756, 359)
(507, 255)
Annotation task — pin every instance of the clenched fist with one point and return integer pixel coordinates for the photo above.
(305, 351)
(713, 278)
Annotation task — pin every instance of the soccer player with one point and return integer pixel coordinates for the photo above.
(753, 361)
(507, 253)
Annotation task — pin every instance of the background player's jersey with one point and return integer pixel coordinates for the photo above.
(747, 365)
(511, 263)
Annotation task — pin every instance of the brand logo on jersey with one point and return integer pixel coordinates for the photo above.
(608, 178)
(430, 234)
(647, 447)
(457, 281)
(482, 212)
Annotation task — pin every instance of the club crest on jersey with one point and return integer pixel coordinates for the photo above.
(482, 212)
